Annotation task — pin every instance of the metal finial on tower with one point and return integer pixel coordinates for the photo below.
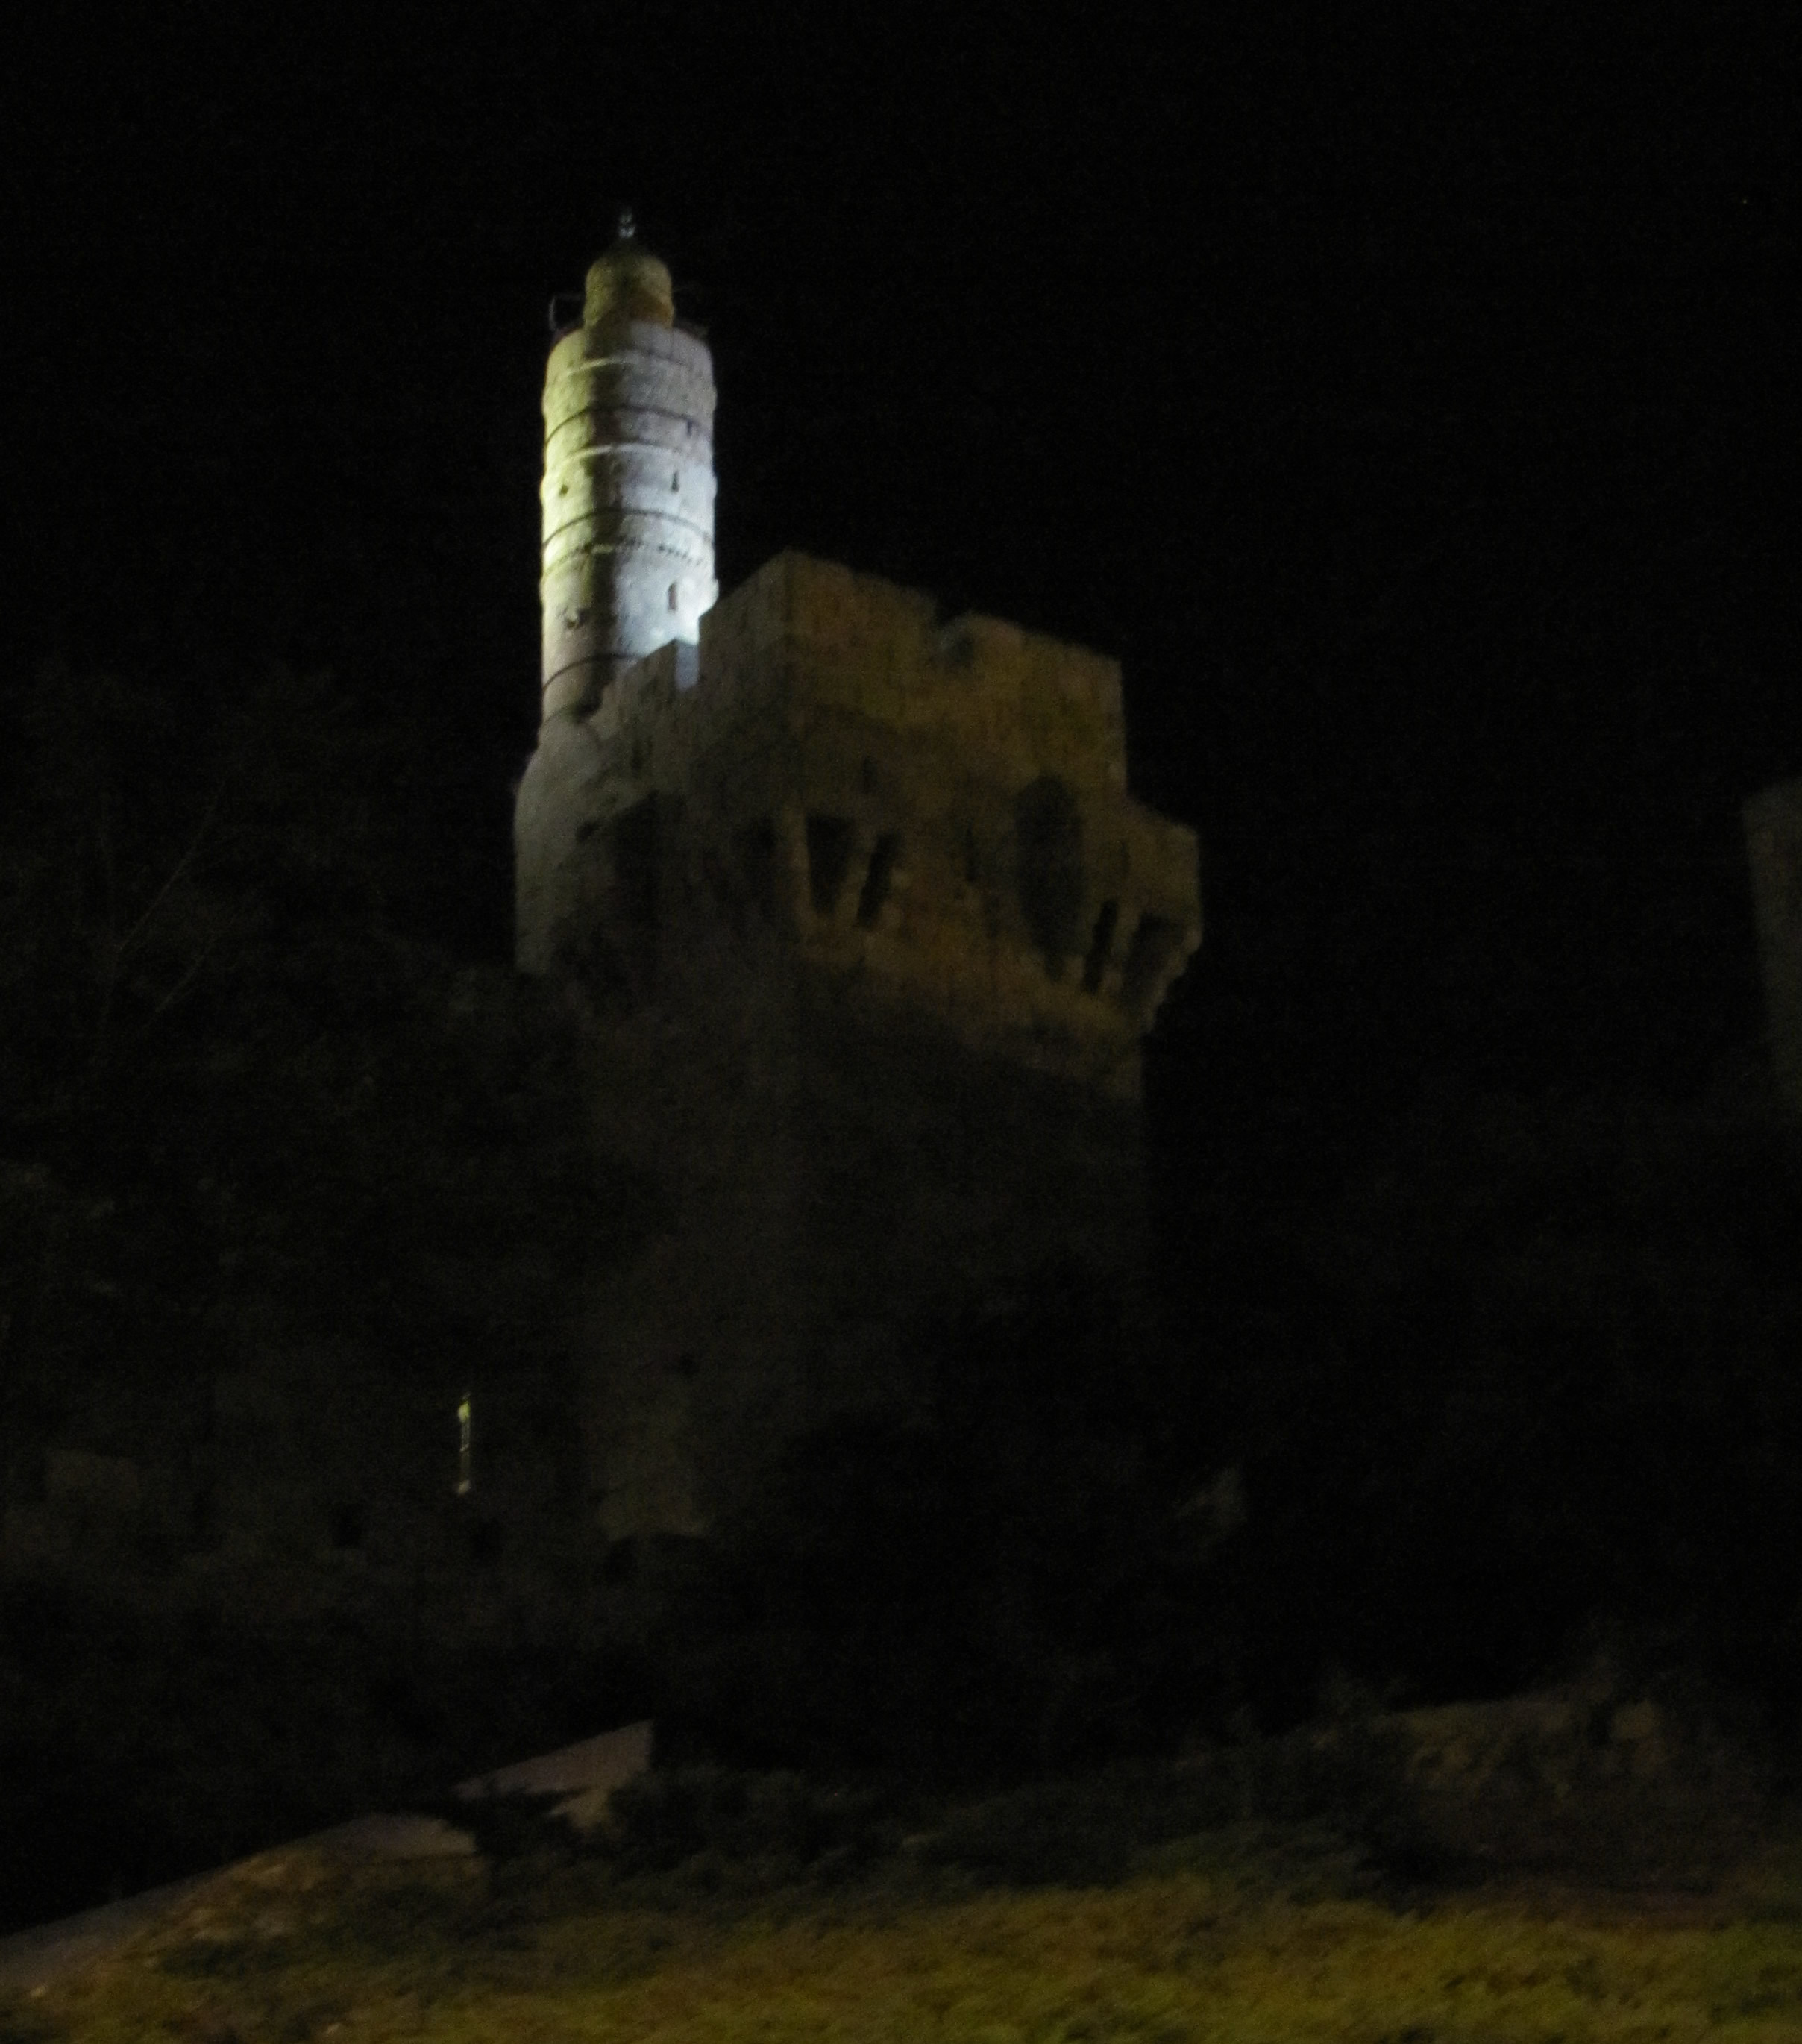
(627, 226)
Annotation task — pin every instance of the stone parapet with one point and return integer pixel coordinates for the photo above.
(939, 809)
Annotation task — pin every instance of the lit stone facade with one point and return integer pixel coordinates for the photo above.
(874, 930)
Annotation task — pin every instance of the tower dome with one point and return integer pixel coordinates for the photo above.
(628, 494)
(628, 282)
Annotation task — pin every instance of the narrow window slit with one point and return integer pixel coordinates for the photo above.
(1100, 947)
(877, 881)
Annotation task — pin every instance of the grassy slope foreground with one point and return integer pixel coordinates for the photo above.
(1239, 1932)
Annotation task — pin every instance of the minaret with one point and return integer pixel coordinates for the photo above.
(629, 480)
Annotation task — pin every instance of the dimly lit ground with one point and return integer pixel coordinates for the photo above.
(982, 1924)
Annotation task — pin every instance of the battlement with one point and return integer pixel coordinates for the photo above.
(858, 644)
(934, 811)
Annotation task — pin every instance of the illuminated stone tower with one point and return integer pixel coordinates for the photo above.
(629, 481)
(870, 926)
(627, 548)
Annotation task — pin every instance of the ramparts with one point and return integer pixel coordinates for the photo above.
(939, 809)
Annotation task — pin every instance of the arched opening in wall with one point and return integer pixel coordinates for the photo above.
(828, 860)
(756, 846)
(1154, 945)
(1048, 868)
(878, 880)
(1100, 947)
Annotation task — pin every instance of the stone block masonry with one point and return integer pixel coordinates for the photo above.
(940, 810)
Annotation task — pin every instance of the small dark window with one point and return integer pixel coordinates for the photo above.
(828, 860)
(757, 862)
(957, 646)
(673, 587)
(877, 880)
(1049, 868)
(1100, 943)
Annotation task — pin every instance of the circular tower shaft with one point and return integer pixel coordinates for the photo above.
(627, 494)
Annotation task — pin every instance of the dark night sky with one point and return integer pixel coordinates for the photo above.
(1405, 410)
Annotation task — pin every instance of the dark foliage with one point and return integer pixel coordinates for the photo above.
(1349, 1779)
(280, 1180)
(785, 1821)
(237, 1097)
(1531, 1368)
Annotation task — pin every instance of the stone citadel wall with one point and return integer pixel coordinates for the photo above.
(874, 929)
